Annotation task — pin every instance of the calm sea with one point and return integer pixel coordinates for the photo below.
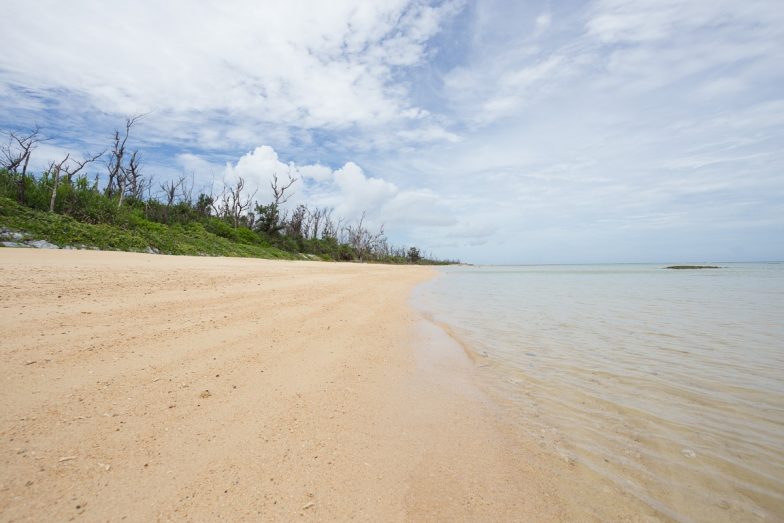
(670, 383)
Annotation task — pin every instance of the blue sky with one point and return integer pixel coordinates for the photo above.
(496, 132)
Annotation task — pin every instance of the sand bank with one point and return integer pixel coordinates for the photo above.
(146, 387)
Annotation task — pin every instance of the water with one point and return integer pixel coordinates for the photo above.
(669, 383)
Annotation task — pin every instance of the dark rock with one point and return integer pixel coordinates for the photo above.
(680, 267)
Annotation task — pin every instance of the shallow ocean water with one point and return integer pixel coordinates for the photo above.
(669, 383)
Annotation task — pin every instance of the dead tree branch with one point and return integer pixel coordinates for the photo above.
(17, 153)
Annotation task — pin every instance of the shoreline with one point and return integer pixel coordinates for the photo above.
(568, 489)
(666, 390)
(165, 387)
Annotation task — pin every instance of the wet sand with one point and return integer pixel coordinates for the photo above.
(145, 387)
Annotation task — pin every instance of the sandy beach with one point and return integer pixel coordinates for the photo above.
(145, 387)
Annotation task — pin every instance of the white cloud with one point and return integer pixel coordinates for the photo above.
(356, 192)
(572, 131)
(257, 168)
(432, 133)
(226, 68)
(651, 21)
(348, 190)
(316, 172)
(621, 20)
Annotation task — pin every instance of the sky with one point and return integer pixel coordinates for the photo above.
(507, 132)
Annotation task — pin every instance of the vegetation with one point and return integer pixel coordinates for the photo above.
(130, 233)
(65, 207)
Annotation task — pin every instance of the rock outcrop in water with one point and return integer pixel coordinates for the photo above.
(693, 267)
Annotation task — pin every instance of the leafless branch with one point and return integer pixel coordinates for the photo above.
(279, 191)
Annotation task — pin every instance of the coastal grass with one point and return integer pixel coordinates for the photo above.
(136, 234)
(75, 213)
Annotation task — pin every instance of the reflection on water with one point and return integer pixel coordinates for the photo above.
(669, 383)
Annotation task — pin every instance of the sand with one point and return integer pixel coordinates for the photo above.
(146, 387)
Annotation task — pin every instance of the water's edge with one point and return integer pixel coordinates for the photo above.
(636, 428)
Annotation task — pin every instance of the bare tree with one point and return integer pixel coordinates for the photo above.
(330, 230)
(187, 188)
(132, 184)
(377, 244)
(56, 169)
(297, 222)
(269, 216)
(170, 193)
(16, 153)
(71, 171)
(364, 242)
(307, 222)
(145, 187)
(54, 172)
(170, 190)
(279, 191)
(117, 171)
(145, 193)
(314, 222)
(221, 204)
(235, 205)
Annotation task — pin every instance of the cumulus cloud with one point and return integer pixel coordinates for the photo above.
(356, 192)
(348, 190)
(257, 168)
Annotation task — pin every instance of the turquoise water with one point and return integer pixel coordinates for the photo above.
(669, 383)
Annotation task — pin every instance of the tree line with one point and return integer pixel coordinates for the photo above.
(126, 194)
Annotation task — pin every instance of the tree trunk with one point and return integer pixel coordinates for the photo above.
(22, 195)
(121, 186)
(55, 169)
(56, 182)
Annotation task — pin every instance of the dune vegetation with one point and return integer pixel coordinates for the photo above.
(120, 208)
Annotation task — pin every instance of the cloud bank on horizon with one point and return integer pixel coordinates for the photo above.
(494, 131)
